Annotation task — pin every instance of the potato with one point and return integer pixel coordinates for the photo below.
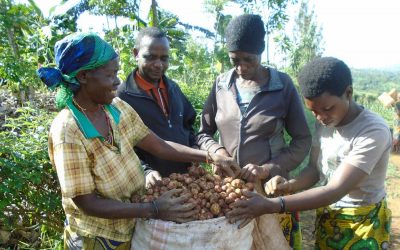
(172, 185)
(228, 180)
(210, 185)
(207, 195)
(221, 202)
(238, 191)
(215, 208)
(200, 195)
(229, 200)
(237, 183)
(165, 181)
(230, 190)
(223, 195)
(194, 191)
(173, 176)
(188, 180)
(217, 177)
(232, 195)
(209, 177)
(214, 198)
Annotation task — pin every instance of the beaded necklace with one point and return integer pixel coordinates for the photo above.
(110, 137)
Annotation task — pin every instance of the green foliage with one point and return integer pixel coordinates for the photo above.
(375, 81)
(125, 8)
(306, 40)
(29, 190)
(193, 67)
(197, 94)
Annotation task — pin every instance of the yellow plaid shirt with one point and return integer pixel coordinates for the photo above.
(86, 164)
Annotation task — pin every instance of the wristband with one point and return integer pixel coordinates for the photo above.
(282, 204)
(155, 209)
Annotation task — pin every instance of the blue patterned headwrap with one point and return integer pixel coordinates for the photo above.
(76, 52)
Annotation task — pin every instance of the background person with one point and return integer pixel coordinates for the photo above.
(159, 102)
(91, 144)
(349, 156)
(396, 129)
(251, 106)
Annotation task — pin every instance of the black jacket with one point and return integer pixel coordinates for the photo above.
(177, 127)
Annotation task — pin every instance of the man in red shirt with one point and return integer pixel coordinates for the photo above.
(159, 101)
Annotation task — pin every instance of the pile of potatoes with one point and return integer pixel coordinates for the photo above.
(212, 194)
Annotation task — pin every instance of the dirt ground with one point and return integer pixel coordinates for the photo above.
(393, 197)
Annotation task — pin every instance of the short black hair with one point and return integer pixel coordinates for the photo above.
(325, 74)
(152, 32)
(246, 33)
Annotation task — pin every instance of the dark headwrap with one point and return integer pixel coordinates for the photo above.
(76, 52)
(246, 33)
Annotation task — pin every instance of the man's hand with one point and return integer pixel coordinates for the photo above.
(246, 210)
(216, 169)
(252, 172)
(175, 209)
(277, 186)
(225, 165)
(152, 178)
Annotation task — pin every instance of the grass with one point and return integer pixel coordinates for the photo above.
(392, 171)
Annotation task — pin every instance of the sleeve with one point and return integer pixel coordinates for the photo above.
(189, 118)
(316, 137)
(368, 149)
(208, 127)
(297, 128)
(72, 163)
(145, 166)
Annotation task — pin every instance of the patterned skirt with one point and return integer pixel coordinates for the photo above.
(366, 227)
(73, 241)
(291, 229)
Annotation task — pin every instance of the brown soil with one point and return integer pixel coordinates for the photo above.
(307, 218)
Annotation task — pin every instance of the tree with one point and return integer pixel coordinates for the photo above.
(216, 8)
(307, 39)
(20, 31)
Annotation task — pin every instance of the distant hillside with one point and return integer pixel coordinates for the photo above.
(375, 81)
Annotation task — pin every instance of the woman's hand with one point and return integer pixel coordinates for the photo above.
(225, 165)
(277, 186)
(152, 178)
(252, 172)
(175, 209)
(246, 210)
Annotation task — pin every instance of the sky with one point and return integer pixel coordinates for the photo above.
(362, 33)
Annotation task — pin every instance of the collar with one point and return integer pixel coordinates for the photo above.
(146, 85)
(85, 125)
(274, 83)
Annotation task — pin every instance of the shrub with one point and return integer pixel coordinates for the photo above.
(30, 199)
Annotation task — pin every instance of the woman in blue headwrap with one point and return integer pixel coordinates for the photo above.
(91, 145)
